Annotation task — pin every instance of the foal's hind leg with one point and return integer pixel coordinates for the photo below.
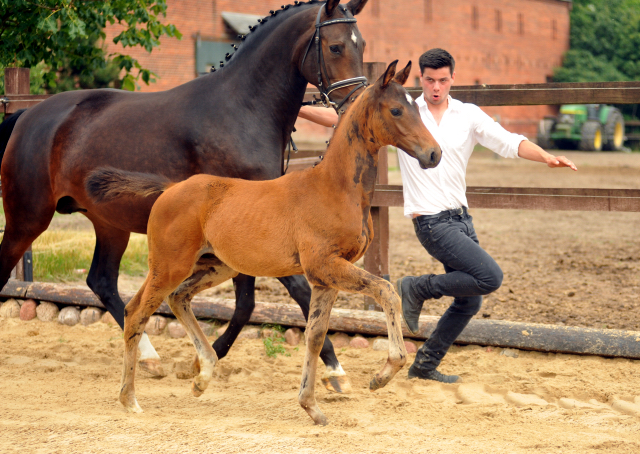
(334, 378)
(209, 272)
(111, 244)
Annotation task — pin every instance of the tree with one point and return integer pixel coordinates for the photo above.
(63, 34)
(604, 42)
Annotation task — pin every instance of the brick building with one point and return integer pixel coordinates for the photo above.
(493, 41)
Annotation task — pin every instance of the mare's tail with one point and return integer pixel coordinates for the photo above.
(6, 128)
(107, 183)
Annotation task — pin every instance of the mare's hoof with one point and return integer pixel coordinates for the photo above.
(153, 367)
(337, 383)
(195, 390)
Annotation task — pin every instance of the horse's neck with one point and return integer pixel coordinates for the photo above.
(351, 161)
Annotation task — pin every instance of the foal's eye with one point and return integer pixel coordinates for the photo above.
(396, 112)
(335, 49)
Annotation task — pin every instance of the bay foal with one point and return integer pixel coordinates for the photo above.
(315, 222)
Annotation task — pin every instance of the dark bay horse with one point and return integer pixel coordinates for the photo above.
(315, 222)
(234, 122)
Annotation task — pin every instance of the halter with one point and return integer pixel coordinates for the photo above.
(325, 92)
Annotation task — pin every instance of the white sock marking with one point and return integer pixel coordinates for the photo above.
(146, 349)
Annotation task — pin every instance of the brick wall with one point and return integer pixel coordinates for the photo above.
(493, 42)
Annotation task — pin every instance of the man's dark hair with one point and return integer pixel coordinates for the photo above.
(436, 59)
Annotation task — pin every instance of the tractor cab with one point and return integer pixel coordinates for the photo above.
(588, 127)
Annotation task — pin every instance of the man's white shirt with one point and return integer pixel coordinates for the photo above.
(444, 187)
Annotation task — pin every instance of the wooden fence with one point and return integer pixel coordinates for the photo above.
(377, 257)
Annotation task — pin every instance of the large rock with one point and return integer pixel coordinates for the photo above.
(359, 342)
(156, 325)
(47, 312)
(28, 310)
(108, 319)
(69, 316)
(292, 336)
(90, 315)
(381, 344)
(410, 346)
(249, 333)
(340, 340)
(176, 330)
(10, 309)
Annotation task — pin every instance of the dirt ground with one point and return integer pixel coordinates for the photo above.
(60, 384)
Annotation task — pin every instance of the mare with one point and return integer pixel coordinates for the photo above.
(315, 222)
(233, 122)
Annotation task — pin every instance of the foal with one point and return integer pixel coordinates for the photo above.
(315, 222)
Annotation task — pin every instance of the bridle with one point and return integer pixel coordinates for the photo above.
(359, 82)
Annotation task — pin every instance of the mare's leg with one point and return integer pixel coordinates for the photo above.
(322, 299)
(334, 378)
(209, 272)
(111, 244)
(27, 216)
(244, 287)
(349, 278)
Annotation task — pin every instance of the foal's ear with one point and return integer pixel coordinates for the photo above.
(403, 75)
(388, 74)
(330, 7)
(355, 6)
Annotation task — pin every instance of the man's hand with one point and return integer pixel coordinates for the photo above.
(531, 151)
(560, 161)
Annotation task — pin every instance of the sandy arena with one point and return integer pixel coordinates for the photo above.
(60, 384)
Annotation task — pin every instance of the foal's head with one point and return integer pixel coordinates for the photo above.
(395, 120)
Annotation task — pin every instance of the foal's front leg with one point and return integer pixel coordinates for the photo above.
(322, 299)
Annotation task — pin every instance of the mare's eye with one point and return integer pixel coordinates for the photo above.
(396, 112)
(335, 49)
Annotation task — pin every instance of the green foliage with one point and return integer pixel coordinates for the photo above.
(63, 34)
(273, 346)
(604, 42)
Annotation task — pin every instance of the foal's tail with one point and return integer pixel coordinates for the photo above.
(6, 128)
(107, 183)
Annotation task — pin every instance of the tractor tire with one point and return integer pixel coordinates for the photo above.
(545, 127)
(613, 131)
(591, 136)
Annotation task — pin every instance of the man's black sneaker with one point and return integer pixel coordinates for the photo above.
(432, 375)
(411, 306)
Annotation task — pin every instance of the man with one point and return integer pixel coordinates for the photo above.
(435, 200)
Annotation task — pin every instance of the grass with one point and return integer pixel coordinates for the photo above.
(62, 255)
(273, 346)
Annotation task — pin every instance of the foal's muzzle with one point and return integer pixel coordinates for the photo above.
(429, 159)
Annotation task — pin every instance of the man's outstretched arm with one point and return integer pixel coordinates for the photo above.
(531, 151)
(324, 117)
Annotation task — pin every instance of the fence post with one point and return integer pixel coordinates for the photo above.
(376, 259)
(16, 82)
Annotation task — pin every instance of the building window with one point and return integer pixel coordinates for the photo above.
(475, 18)
(520, 24)
(428, 11)
(498, 21)
(554, 29)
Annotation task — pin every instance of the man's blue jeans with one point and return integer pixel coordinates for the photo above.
(469, 273)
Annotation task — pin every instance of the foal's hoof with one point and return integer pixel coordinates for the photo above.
(337, 383)
(377, 383)
(131, 405)
(195, 390)
(153, 367)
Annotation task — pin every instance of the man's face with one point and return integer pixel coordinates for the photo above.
(436, 84)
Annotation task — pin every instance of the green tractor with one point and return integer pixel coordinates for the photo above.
(588, 127)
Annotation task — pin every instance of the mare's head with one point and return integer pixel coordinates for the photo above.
(329, 53)
(394, 118)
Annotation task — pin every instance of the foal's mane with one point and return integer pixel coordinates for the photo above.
(265, 26)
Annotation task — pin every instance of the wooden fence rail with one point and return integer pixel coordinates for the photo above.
(377, 257)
